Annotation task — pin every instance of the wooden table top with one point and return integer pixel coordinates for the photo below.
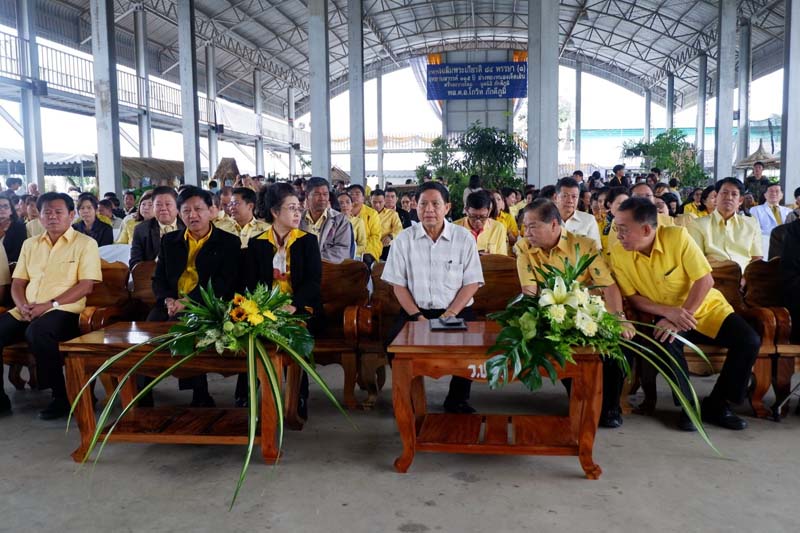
(120, 335)
(417, 338)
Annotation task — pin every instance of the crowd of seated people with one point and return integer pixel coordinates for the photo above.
(652, 250)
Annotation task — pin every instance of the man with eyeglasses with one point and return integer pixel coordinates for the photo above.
(242, 222)
(489, 234)
(546, 242)
(333, 229)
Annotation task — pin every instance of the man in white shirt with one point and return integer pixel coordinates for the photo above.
(435, 270)
(771, 214)
(568, 193)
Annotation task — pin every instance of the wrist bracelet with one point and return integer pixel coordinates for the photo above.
(415, 315)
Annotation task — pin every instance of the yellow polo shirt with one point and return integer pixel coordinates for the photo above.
(126, 233)
(188, 280)
(315, 228)
(372, 225)
(492, 240)
(359, 235)
(51, 269)
(390, 223)
(737, 239)
(34, 227)
(508, 221)
(5, 272)
(611, 238)
(246, 232)
(667, 275)
(530, 258)
(517, 207)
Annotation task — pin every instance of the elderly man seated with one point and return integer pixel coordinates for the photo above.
(663, 272)
(546, 242)
(727, 234)
(190, 259)
(490, 234)
(578, 222)
(333, 229)
(55, 272)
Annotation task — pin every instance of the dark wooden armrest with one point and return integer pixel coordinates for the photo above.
(763, 321)
(105, 316)
(3, 309)
(85, 320)
(350, 325)
(783, 322)
(369, 323)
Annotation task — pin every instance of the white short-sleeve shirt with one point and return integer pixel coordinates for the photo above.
(433, 272)
(584, 224)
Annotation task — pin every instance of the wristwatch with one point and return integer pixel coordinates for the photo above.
(55, 304)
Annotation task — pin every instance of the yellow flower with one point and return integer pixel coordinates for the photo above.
(269, 314)
(238, 314)
(238, 299)
(255, 319)
(250, 307)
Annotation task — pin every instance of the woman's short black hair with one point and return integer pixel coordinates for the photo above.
(614, 193)
(707, 191)
(274, 197)
(87, 196)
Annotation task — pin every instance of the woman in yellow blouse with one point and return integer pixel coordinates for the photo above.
(505, 218)
(359, 228)
(131, 221)
(708, 201)
(692, 205)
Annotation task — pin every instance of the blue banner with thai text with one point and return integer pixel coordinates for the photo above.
(468, 81)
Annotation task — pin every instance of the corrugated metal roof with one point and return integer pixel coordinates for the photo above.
(631, 43)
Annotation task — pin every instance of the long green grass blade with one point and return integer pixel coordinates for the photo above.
(252, 414)
(274, 389)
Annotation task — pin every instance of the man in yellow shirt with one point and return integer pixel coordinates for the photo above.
(391, 226)
(546, 242)
(663, 272)
(490, 234)
(243, 223)
(359, 229)
(372, 223)
(725, 234)
(189, 260)
(55, 272)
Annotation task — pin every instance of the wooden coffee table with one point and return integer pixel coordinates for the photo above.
(420, 352)
(172, 424)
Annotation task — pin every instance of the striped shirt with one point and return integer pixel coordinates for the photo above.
(433, 272)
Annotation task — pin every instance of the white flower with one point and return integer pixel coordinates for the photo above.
(559, 295)
(558, 313)
(585, 324)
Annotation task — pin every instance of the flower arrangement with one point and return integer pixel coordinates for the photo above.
(243, 326)
(537, 331)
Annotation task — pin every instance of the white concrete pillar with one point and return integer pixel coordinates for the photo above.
(726, 72)
(290, 111)
(790, 119)
(258, 109)
(140, 51)
(578, 92)
(670, 101)
(355, 49)
(542, 92)
(379, 80)
(106, 101)
(702, 97)
(745, 75)
(189, 106)
(320, 97)
(648, 110)
(211, 98)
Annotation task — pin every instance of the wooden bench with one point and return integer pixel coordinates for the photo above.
(501, 284)
(727, 279)
(764, 288)
(106, 304)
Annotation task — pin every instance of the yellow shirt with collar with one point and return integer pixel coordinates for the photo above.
(126, 234)
(666, 276)
(189, 279)
(359, 235)
(167, 228)
(611, 238)
(738, 239)
(5, 272)
(509, 222)
(492, 240)
(246, 232)
(516, 208)
(692, 209)
(313, 227)
(372, 224)
(390, 223)
(52, 269)
(530, 258)
(34, 227)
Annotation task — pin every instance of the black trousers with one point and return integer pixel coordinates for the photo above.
(199, 383)
(459, 387)
(613, 380)
(742, 343)
(43, 335)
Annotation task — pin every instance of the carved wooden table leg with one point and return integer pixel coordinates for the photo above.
(591, 396)
(350, 367)
(269, 413)
(76, 376)
(418, 399)
(403, 412)
(762, 371)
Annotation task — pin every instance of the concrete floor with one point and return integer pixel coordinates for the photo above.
(334, 478)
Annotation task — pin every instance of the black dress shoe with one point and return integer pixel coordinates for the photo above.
(58, 408)
(721, 415)
(203, 401)
(611, 419)
(458, 407)
(685, 423)
(5, 404)
(302, 407)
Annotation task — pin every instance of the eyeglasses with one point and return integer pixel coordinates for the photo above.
(5, 206)
(293, 208)
(475, 218)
